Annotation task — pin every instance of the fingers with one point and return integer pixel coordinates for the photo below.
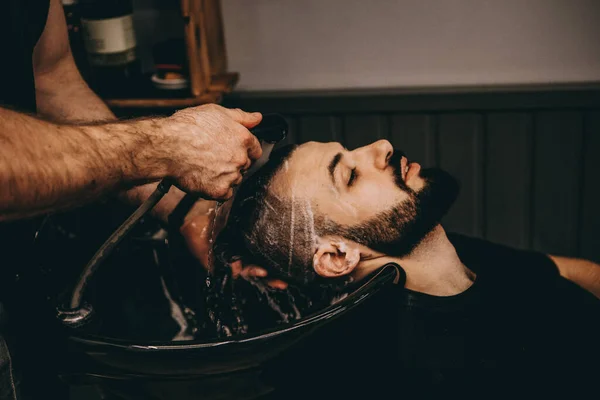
(253, 271)
(237, 180)
(254, 148)
(247, 166)
(277, 284)
(239, 157)
(236, 268)
(220, 194)
(221, 191)
(232, 149)
(249, 120)
(241, 160)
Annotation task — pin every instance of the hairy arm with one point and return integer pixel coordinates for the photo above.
(46, 166)
(582, 272)
(62, 95)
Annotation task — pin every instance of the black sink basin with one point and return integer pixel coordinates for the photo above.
(212, 369)
(130, 365)
(201, 358)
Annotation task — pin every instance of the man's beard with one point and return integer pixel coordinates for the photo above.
(396, 232)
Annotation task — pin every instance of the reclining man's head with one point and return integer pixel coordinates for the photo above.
(319, 210)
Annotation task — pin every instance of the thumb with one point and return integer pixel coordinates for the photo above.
(248, 120)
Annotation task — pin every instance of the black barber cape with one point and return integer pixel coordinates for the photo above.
(520, 330)
(21, 25)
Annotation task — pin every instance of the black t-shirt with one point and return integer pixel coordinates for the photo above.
(21, 25)
(520, 327)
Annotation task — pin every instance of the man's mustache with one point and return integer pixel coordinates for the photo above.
(394, 162)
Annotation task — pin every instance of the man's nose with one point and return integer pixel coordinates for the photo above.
(382, 151)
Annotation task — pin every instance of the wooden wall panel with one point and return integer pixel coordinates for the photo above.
(556, 186)
(320, 128)
(360, 130)
(414, 134)
(508, 177)
(461, 154)
(590, 204)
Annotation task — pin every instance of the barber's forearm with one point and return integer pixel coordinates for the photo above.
(47, 167)
(63, 96)
(71, 100)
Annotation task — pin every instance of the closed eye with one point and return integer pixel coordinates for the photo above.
(353, 175)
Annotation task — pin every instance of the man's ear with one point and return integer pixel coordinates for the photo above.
(335, 257)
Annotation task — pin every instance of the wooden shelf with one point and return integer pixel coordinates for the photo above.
(220, 84)
(209, 97)
(207, 62)
(224, 83)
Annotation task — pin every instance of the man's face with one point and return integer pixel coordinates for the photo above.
(373, 194)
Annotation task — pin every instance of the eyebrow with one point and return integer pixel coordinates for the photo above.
(333, 164)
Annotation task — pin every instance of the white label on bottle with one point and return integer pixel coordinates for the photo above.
(113, 35)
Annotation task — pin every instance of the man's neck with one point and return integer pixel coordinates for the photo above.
(433, 267)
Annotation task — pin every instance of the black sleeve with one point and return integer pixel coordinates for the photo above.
(484, 256)
(570, 312)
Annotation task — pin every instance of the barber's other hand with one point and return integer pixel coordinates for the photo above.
(197, 230)
(208, 147)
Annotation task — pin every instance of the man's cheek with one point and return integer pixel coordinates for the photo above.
(387, 193)
(374, 198)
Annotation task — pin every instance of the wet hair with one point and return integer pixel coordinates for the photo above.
(275, 232)
(279, 234)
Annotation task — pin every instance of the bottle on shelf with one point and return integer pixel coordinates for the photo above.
(110, 43)
(71, 10)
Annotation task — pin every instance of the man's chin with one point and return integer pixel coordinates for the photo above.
(440, 190)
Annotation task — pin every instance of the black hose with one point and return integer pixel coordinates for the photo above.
(109, 245)
(272, 129)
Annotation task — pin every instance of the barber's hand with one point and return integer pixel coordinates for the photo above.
(209, 146)
(197, 230)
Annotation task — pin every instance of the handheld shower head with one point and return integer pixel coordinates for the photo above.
(272, 129)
